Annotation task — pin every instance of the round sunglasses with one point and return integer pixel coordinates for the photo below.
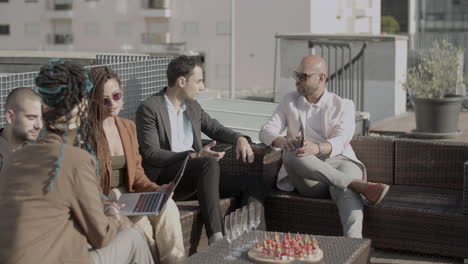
(302, 76)
(115, 97)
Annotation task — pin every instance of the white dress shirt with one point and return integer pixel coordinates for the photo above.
(181, 128)
(332, 119)
(313, 116)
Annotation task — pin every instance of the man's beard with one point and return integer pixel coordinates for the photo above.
(23, 136)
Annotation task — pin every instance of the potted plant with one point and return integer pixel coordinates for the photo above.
(388, 24)
(432, 86)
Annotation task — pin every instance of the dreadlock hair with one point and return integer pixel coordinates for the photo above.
(65, 86)
(99, 76)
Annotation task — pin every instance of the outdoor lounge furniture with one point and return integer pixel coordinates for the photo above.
(426, 209)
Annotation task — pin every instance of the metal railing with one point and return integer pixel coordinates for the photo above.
(141, 76)
(424, 41)
(116, 58)
(345, 70)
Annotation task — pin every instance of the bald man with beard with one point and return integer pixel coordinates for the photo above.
(23, 115)
(318, 158)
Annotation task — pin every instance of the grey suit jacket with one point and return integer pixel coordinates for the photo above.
(154, 131)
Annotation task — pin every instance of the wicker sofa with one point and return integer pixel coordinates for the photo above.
(426, 209)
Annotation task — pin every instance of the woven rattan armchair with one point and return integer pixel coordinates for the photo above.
(426, 209)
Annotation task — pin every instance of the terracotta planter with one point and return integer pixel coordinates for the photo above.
(437, 118)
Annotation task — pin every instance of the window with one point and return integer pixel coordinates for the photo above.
(4, 29)
(223, 28)
(3, 1)
(62, 39)
(190, 29)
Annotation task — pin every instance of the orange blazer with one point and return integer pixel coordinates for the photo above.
(136, 178)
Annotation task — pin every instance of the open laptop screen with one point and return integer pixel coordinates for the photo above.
(150, 203)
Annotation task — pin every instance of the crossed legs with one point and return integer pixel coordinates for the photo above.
(315, 178)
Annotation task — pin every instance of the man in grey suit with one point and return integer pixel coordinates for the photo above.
(169, 126)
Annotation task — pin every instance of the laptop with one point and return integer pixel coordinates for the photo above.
(149, 203)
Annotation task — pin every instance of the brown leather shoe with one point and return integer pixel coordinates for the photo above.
(375, 192)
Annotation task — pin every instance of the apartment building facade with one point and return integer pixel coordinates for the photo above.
(428, 15)
(183, 26)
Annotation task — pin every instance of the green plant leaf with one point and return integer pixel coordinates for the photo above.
(439, 72)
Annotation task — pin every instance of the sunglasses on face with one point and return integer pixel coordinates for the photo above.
(302, 76)
(115, 97)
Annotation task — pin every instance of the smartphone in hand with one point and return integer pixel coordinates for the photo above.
(222, 148)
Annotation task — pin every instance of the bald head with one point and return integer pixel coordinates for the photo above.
(311, 76)
(17, 97)
(314, 64)
(23, 115)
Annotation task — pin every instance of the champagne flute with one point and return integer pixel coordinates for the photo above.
(245, 226)
(257, 218)
(228, 231)
(237, 217)
(251, 209)
(258, 214)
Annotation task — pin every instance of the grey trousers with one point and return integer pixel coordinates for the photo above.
(317, 178)
(128, 247)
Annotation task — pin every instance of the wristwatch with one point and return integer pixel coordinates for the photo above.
(321, 147)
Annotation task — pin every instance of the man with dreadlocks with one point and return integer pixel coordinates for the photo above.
(49, 192)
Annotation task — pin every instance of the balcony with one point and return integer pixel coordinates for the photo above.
(60, 9)
(60, 39)
(155, 8)
(160, 43)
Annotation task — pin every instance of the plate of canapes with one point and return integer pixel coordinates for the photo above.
(288, 249)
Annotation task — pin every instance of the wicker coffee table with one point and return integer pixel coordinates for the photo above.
(337, 250)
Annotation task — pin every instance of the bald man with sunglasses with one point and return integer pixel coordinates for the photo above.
(318, 159)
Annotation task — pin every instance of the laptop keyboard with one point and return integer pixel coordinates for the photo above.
(148, 202)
